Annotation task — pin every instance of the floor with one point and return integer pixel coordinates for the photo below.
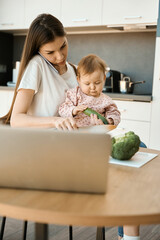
(13, 231)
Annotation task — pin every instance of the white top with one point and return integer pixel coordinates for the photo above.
(102, 104)
(50, 87)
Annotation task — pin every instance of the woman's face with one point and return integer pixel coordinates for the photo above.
(56, 51)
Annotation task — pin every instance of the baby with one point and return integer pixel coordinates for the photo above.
(91, 75)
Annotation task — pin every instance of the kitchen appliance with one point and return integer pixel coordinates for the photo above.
(112, 81)
(6, 56)
(127, 86)
(15, 72)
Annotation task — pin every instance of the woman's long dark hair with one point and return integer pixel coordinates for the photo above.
(45, 28)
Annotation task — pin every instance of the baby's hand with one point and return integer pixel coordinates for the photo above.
(110, 121)
(78, 109)
(95, 120)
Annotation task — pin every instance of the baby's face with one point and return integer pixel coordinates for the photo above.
(92, 84)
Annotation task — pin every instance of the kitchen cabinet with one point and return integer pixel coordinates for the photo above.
(6, 97)
(129, 12)
(136, 116)
(19, 14)
(81, 13)
(36, 7)
(11, 14)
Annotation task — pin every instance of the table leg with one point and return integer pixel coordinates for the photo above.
(25, 230)
(2, 227)
(70, 233)
(41, 231)
(100, 233)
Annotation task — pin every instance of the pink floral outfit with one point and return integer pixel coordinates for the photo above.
(102, 104)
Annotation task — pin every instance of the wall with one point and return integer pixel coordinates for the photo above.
(130, 53)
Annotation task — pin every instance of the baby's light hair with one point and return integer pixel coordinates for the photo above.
(90, 64)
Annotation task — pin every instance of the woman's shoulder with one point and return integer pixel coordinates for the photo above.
(32, 75)
(34, 63)
(37, 59)
(37, 63)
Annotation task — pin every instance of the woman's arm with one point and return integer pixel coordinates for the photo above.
(20, 118)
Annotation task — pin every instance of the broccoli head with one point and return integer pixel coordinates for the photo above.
(124, 147)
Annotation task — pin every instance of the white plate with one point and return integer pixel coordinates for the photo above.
(138, 160)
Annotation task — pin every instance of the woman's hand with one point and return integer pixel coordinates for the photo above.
(95, 120)
(65, 123)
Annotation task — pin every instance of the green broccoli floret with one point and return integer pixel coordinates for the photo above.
(124, 147)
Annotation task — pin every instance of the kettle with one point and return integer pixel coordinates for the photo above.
(126, 86)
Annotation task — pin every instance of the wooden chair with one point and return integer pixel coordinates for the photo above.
(25, 224)
(3, 227)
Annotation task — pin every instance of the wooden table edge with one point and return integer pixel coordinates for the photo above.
(50, 217)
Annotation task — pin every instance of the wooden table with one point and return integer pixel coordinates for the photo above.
(133, 197)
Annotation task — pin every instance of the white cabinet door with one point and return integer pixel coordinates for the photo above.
(5, 101)
(138, 111)
(11, 14)
(136, 116)
(36, 7)
(81, 13)
(129, 11)
(142, 129)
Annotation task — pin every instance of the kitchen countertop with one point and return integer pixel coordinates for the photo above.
(130, 97)
(7, 88)
(114, 96)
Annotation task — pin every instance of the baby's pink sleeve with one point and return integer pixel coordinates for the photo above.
(112, 112)
(66, 108)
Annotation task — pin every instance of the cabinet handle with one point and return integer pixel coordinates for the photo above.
(131, 17)
(80, 20)
(7, 24)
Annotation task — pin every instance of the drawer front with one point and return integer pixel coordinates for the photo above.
(130, 12)
(81, 13)
(142, 129)
(140, 111)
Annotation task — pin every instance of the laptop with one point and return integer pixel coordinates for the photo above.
(47, 159)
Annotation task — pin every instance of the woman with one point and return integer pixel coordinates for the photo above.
(43, 79)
